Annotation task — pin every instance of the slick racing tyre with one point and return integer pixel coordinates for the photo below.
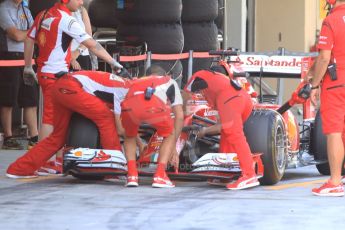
(201, 37)
(266, 134)
(149, 11)
(160, 38)
(199, 10)
(107, 17)
(318, 146)
(82, 133)
(37, 6)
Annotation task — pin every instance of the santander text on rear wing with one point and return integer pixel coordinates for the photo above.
(267, 65)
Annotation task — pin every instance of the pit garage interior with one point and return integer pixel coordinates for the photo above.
(259, 26)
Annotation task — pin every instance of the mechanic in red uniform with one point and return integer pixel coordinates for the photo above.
(53, 31)
(79, 92)
(151, 100)
(331, 59)
(234, 106)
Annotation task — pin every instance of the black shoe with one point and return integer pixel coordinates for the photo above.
(32, 142)
(11, 144)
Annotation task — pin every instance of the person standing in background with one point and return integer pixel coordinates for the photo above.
(15, 21)
(80, 54)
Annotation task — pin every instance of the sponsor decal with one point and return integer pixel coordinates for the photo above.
(46, 24)
(271, 64)
(209, 113)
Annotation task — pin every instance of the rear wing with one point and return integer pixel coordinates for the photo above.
(272, 65)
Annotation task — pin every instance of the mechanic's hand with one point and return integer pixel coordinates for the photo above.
(201, 132)
(314, 96)
(115, 66)
(75, 65)
(174, 160)
(29, 76)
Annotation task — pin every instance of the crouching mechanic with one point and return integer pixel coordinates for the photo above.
(80, 92)
(151, 100)
(234, 106)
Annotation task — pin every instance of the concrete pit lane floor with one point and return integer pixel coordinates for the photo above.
(55, 202)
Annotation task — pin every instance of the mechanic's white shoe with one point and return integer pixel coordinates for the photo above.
(51, 167)
(243, 182)
(132, 181)
(13, 176)
(162, 182)
(328, 189)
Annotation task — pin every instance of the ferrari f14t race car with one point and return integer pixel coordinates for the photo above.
(277, 140)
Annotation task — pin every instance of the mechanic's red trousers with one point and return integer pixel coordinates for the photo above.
(234, 109)
(136, 110)
(46, 81)
(68, 97)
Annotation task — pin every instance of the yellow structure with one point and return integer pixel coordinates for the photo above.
(292, 24)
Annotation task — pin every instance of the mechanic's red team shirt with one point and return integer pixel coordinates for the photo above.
(108, 87)
(166, 89)
(56, 32)
(332, 38)
(216, 84)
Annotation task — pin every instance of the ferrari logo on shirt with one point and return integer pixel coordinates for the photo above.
(41, 39)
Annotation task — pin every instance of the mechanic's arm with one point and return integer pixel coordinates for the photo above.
(119, 128)
(100, 52)
(321, 64)
(185, 97)
(210, 130)
(178, 121)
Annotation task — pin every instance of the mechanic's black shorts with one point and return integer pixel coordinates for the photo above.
(13, 91)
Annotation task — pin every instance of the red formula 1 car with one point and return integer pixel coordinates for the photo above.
(272, 132)
(198, 157)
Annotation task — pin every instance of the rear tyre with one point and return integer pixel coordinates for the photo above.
(265, 133)
(319, 146)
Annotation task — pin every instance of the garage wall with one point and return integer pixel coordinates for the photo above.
(279, 23)
(291, 24)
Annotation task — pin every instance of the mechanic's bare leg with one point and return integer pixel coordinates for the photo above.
(6, 120)
(130, 149)
(30, 119)
(335, 151)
